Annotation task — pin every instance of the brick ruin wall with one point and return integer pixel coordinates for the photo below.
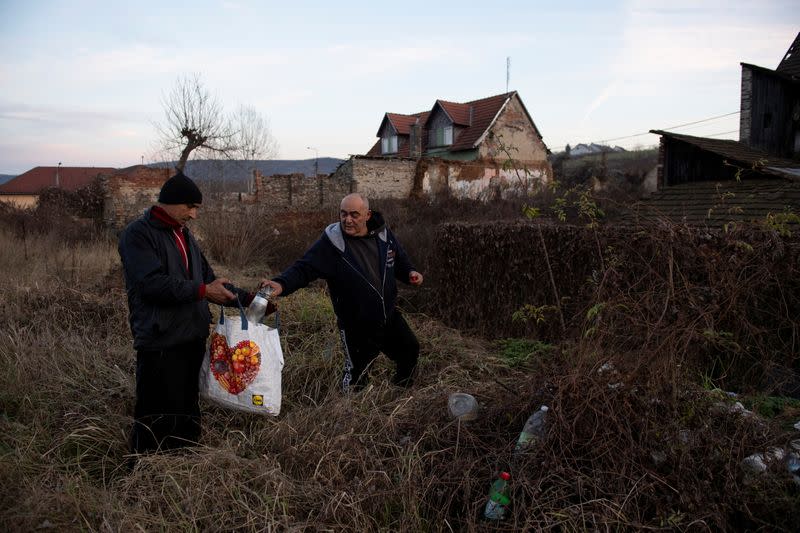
(380, 177)
(298, 192)
(128, 193)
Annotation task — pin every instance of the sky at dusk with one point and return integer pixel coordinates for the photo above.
(82, 82)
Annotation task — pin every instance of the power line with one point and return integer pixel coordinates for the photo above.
(699, 121)
(721, 133)
(709, 119)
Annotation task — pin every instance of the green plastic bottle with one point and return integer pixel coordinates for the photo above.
(498, 502)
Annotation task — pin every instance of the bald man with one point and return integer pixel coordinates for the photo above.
(360, 258)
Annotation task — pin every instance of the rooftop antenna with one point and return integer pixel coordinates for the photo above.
(508, 70)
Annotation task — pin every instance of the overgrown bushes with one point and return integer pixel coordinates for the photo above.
(729, 302)
(635, 439)
(73, 216)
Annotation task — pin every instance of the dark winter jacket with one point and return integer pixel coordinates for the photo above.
(356, 301)
(163, 297)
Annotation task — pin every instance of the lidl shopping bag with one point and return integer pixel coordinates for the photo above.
(242, 366)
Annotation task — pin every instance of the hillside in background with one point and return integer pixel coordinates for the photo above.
(236, 173)
(622, 170)
(6, 177)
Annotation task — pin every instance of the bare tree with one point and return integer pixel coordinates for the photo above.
(253, 139)
(194, 121)
(252, 136)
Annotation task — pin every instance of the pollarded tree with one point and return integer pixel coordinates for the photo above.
(195, 122)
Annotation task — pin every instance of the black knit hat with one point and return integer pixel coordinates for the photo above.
(180, 189)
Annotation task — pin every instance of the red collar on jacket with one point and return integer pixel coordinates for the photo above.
(161, 215)
(177, 233)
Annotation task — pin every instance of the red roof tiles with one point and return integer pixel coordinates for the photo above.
(402, 123)
(38, 178)
(458, 113)
(476, 117)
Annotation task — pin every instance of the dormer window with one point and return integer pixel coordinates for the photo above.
(441, 136)
(389, 144)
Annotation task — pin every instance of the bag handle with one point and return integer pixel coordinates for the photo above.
(244, 318)
(241, 314)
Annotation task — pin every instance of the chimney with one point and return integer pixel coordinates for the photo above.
(415, 140)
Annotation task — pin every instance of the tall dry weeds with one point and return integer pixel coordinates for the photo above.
(633, 441)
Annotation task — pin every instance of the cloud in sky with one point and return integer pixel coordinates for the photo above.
(682, 57)
(324, 75)
(607, 92)
(55, 116)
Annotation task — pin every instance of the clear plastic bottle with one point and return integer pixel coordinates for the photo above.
(533, 430)
(258, 307)
(499, 500)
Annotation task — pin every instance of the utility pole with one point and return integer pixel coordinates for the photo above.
(316, 160)
(58, 171)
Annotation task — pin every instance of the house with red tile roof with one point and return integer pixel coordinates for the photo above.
(481, 148)
(24, 190)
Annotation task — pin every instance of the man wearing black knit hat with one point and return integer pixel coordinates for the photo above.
(169, 284)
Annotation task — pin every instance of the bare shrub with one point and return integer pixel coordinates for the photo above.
(256, 237)
(726, 302)
(73, 216)
(633, 442)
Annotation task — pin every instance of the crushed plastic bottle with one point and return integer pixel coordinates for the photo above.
(258, 307)
(463, 406)
(499, 500)
(532, 431)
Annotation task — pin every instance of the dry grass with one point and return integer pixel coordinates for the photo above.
(649, 453)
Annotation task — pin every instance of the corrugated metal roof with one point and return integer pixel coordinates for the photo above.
(38, 178)
(790, 64)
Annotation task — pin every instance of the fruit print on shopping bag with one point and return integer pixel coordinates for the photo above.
(234, 367)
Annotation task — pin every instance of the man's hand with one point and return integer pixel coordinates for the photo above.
(277, 288)
(217, 293)
(415, 278)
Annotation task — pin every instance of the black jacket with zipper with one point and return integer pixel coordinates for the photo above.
(356, 301)
(163, 301)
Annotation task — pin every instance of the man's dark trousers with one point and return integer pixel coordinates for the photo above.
(362, 345)
(167, 412)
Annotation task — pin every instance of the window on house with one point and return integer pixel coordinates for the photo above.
(389, 144)
(441, 136)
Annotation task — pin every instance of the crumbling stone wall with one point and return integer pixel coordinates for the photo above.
(298, 192)
(128, 192)
(480, 180)
(379, 177)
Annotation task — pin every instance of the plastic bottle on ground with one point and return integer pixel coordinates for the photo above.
(499, 500)
(532, 431)
(463, 406)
